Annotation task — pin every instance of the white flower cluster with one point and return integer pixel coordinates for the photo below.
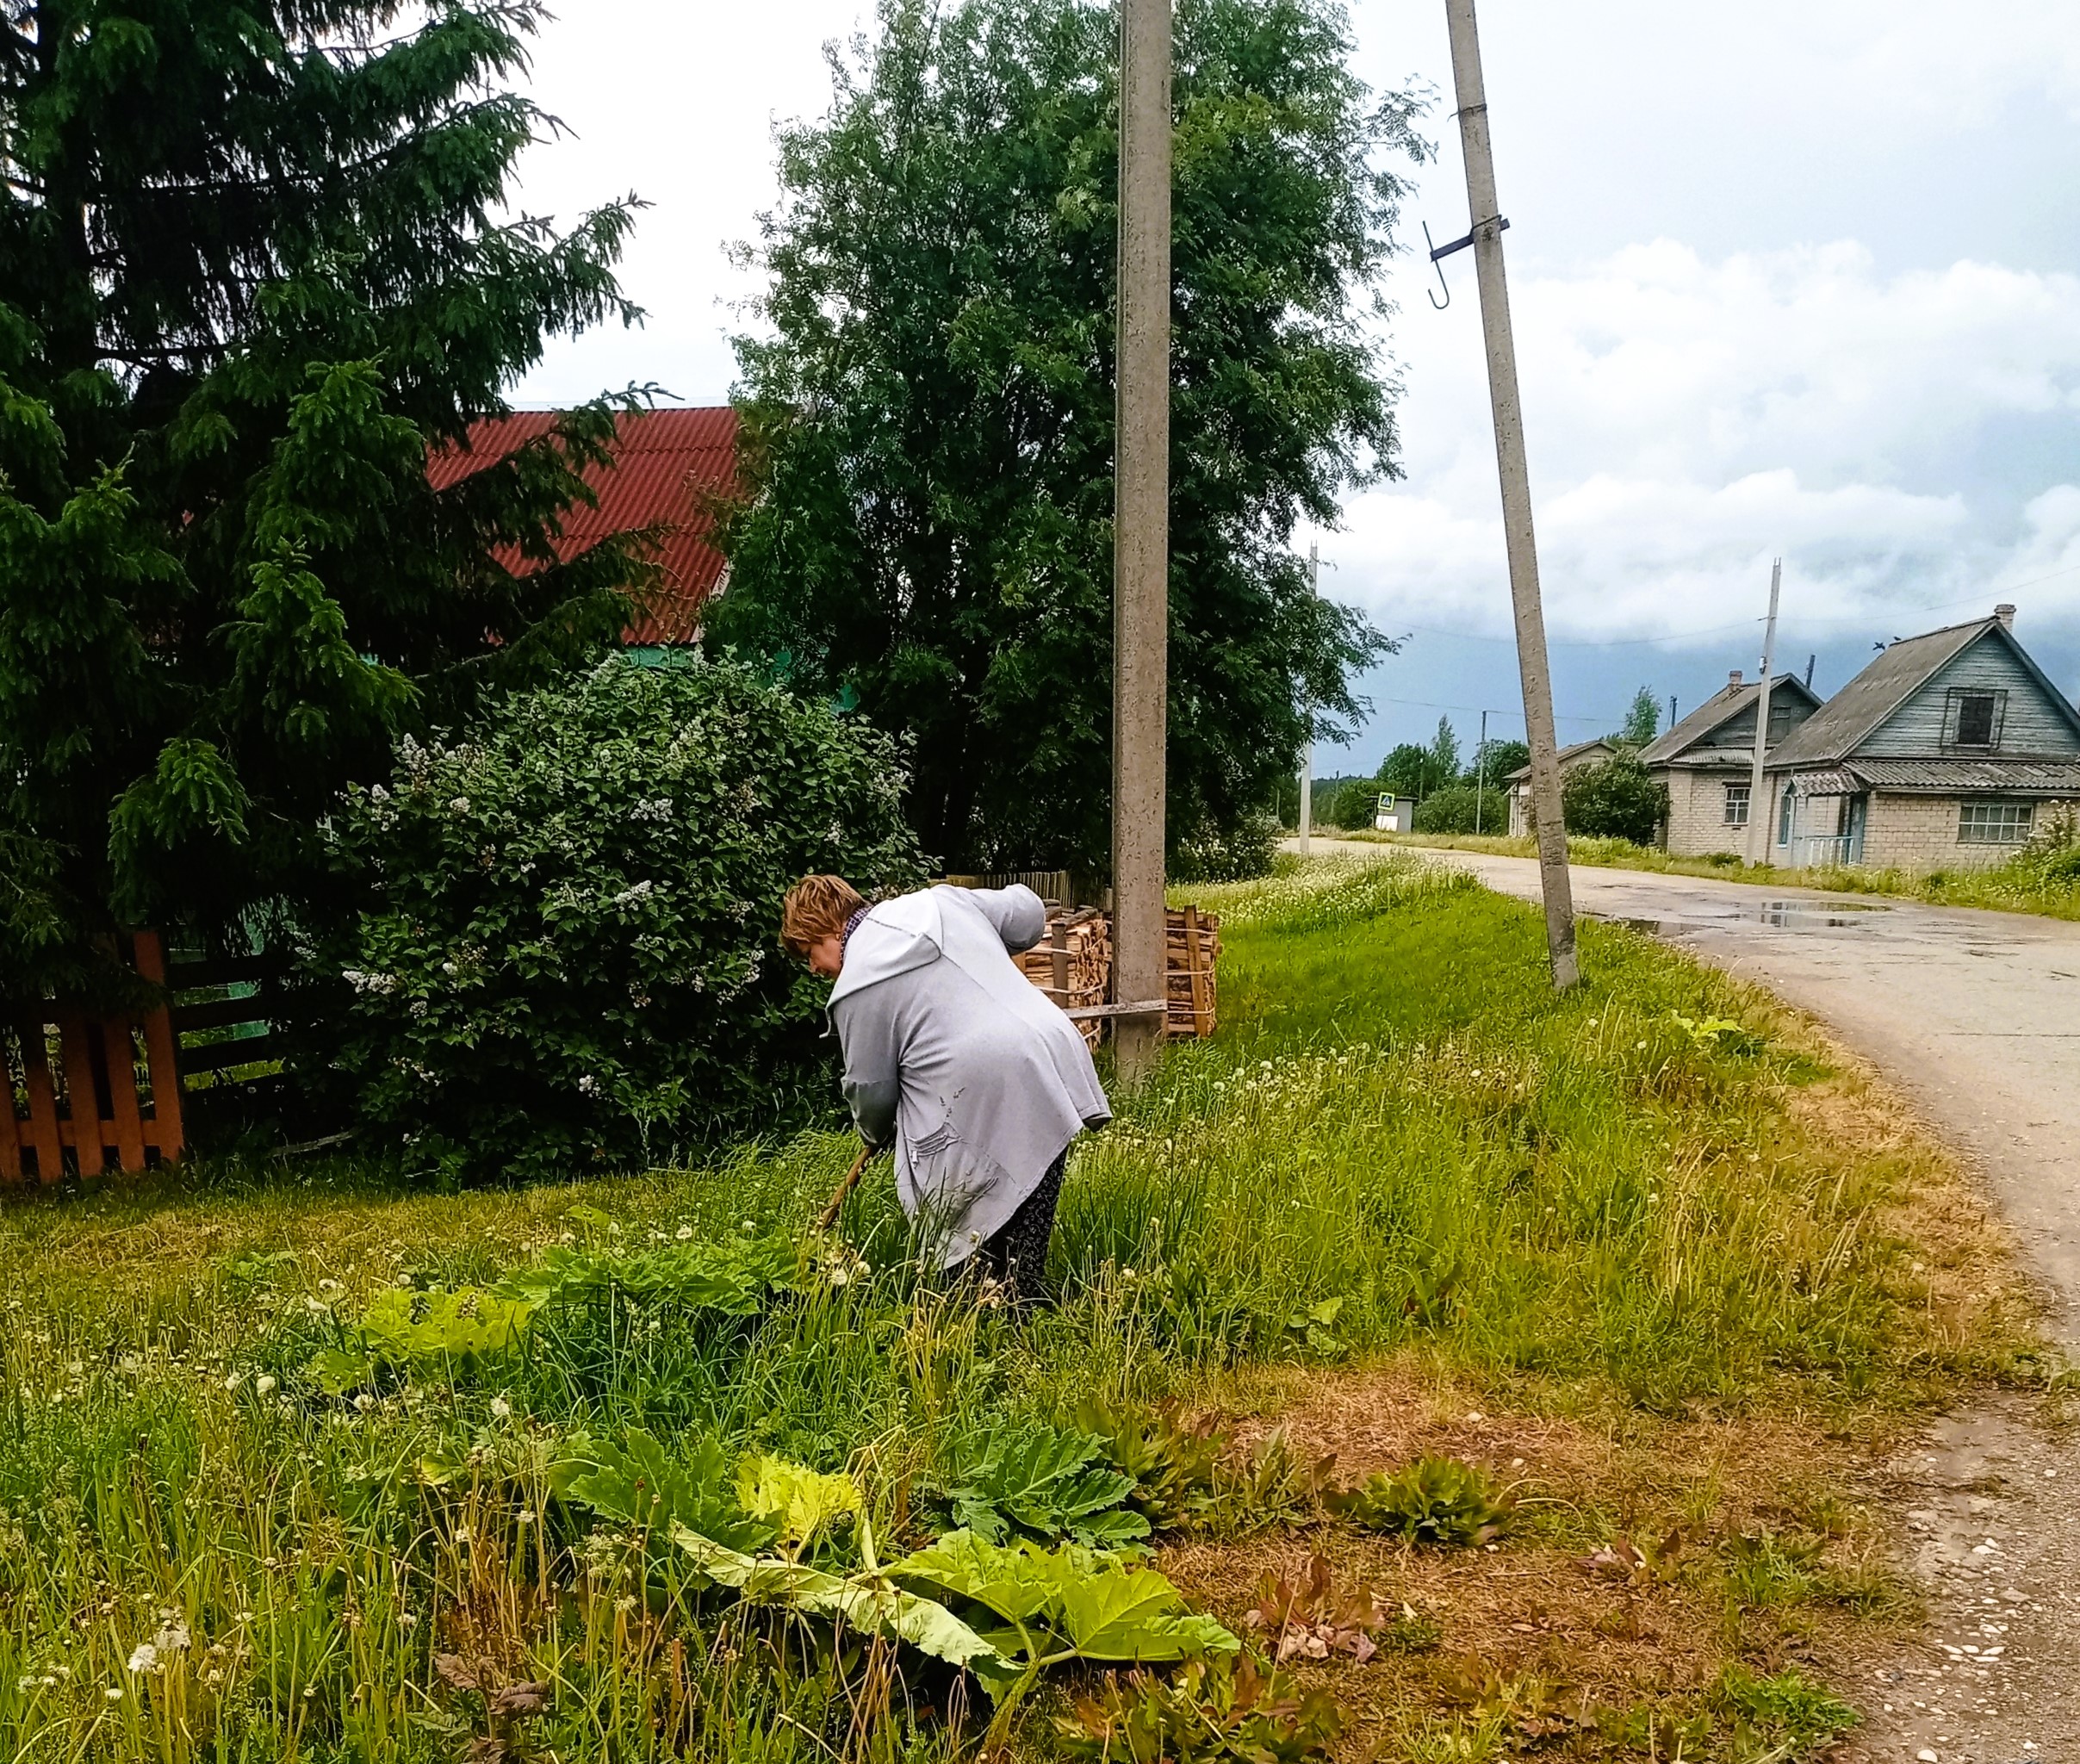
(362, 981)
(155, 1654)
(654, 808)
(634, 892)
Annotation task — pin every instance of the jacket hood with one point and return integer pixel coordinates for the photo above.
(897, 936)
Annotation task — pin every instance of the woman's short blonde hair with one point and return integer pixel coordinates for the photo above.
(817, 907)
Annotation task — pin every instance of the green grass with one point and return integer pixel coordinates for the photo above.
(2044, 879)
(1400, 1141)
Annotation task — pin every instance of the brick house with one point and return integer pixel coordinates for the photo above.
(1583, 752)
(1940, 754)
(1707, 761)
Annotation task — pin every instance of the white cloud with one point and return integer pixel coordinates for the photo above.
(1688, 419)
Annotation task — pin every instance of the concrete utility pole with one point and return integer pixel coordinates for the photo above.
(1758, 821)
(1481, 772)
(1487, 224)
(1307, 751)
(1141, 557)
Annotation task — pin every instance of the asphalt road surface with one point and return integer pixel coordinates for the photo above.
(1975, 1015)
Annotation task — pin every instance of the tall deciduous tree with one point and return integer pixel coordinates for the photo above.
(1643, 719)
(929, 411)
(254, 261)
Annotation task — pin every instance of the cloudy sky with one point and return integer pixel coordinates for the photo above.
(1788, 279)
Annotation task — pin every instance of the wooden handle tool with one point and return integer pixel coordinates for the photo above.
(829, 1214)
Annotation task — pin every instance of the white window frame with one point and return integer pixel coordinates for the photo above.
(1738, 805)
(1994, 821)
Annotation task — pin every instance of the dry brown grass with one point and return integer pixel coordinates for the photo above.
(1529, 1611)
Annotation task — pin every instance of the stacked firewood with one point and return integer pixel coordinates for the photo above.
(1193, 939)
(1073, 964)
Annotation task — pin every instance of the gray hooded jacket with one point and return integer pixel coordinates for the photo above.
(976, 1074)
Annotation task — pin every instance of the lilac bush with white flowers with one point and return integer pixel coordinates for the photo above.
(560, 946)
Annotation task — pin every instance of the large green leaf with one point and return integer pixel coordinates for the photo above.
(867, 1601)
(1046, 1481)
(639, 1483)
(1135, 1614)
(799, 1501)
(412, 1326)
(1068, 1600)
(1021, 1582)
(735, 1276)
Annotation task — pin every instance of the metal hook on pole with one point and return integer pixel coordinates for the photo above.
(1439, 304)
(1438, 252)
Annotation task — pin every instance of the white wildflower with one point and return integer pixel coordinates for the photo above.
(114, 1693)
(264, 1384)
(364, 1402)
(144, 1657)
(501, 1409)
(588, 1085)
(684, 1233)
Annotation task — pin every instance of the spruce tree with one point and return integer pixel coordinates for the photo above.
(256, 259)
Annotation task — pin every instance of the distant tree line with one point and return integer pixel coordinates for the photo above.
(1459, 791)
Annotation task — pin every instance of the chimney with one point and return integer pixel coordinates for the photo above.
(2006, 613)
(1734, 678)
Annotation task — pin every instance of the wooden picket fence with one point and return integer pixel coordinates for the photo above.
(91, 1093)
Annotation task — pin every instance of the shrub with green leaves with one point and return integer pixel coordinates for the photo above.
(1212, 1711)
(560, 949)
(1618, 800)
(1434, 1501)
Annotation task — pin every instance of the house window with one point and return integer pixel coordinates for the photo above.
(1783, 817)
(1972, 718)
(1737, 805)
(1993, 823)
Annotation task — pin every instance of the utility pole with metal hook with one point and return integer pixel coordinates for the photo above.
(1486, 239)
(1140, 555)
(1758, 822)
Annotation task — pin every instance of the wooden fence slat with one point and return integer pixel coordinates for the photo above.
(43, 1132)
(161, 1050)
(10, 1127)
(126, 1126)
(88, 1145)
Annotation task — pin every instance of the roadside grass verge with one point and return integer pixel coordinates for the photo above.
(2045, 881)
(1647, 1236)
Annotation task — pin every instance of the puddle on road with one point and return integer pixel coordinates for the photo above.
(1778, 915)
(1809, 915)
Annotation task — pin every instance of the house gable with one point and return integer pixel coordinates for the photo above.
(2031, 718)
(1721, 731)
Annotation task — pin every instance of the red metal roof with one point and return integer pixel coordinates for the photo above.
(665, 462)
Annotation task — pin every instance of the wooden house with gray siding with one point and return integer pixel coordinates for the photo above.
(1941, 754)
(1706, 761)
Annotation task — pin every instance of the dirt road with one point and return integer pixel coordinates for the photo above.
(1975, 1016)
